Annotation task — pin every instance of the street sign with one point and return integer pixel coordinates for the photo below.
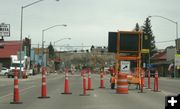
(22, 55)
(4, 29)
(144, 50)
(125, 66)
(177, 60)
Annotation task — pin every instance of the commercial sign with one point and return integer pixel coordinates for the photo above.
(4, 29)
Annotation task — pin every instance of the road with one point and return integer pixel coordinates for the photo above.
(167, 86)
(99, 98)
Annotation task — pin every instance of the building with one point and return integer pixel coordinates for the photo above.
(36, 56)
(8, 48)
(163, 59)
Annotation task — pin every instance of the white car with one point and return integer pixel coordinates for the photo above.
(4, 71)
(29, 72)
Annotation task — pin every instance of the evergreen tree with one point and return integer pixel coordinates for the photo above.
(51, 51)
(92, 47)
(137, 28)
(148, 35)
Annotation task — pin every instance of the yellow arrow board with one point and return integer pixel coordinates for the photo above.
(144, 50)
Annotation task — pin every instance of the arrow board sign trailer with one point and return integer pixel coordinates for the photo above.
(125, 66)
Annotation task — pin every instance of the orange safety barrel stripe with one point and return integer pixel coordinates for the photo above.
(122, 84)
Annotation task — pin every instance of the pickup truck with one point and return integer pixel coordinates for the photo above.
(12, 68)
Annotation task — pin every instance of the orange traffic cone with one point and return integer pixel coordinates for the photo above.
(66, 83)
(89, 80)
(156, 82)
(84, 86)
(142, 82)
(149, 79)
(101, 80)
(43, 88)
(16, 90)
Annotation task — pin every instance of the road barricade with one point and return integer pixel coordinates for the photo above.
(122, 84)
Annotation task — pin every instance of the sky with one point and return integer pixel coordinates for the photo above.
(88, 21)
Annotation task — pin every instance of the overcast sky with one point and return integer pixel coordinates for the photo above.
(89, 21)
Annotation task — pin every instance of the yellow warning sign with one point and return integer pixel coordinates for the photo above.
(144, 50)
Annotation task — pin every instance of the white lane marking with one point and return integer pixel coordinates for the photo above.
(21, 91)
(94, 95)
(74, 75)
(166, 93)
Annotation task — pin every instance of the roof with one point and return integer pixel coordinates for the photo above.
(159, 56)
(9, 48)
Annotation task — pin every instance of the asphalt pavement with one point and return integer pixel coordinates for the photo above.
(30, 90)
(168, 86)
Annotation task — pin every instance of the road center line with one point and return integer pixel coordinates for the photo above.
(21, 91)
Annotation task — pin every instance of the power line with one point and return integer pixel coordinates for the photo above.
(165, 41)
(70, 45)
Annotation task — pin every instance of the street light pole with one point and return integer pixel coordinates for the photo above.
(177, 31)
(42, 63)
(61, 40)
(21, 28)
(176, 23)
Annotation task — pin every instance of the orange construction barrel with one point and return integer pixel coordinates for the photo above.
(122, 84)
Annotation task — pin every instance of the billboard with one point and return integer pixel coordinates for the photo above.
(129, 41)
(4, 29)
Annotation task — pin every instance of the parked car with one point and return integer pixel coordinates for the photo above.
(29, 72)
(4, 71)
(12, 68)
(10, 74)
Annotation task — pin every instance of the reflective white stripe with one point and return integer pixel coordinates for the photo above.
(16, 86)
(123, 86)
(66, 74)
(129, 76)
(44, 76)
(44, 83)
(15, 77)
(66, 78)
(122, 80)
